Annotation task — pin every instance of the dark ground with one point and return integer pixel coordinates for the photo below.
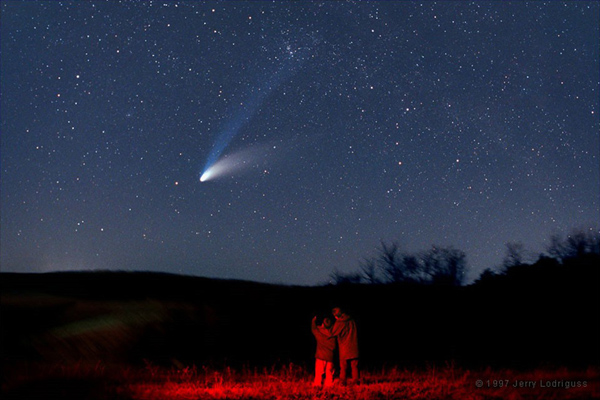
(543, 314)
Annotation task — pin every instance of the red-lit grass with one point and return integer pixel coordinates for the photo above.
(432, 383)
(295, 382)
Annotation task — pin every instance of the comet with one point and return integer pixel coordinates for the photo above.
(236, 163)
(240, 116)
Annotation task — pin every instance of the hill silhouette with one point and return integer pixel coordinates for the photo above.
(545, 313)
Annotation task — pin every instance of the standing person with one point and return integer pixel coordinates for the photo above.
(347, 337)
(324, 357)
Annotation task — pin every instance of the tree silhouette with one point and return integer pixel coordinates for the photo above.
(445, 266)
(514, 254)
(368, 269)
(341, 278)
(390, 262)
(400, 267)
(438, 265)
(578, 243)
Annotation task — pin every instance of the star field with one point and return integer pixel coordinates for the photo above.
(464, 124)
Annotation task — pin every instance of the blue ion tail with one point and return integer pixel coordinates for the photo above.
(245, 113)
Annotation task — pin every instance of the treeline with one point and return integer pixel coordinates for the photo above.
(525, 314)
(447, 266)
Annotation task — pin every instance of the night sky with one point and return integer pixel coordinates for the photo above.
(330, 126)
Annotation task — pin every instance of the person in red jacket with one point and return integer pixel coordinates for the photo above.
(346, 333)
(326, 347)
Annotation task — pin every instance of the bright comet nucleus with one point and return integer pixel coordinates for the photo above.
(235, 163)
(205, 176)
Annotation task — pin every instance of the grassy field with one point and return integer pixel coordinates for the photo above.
(294, 382)
(152, 336)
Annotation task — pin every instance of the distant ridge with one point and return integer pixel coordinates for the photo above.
(531, 315)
